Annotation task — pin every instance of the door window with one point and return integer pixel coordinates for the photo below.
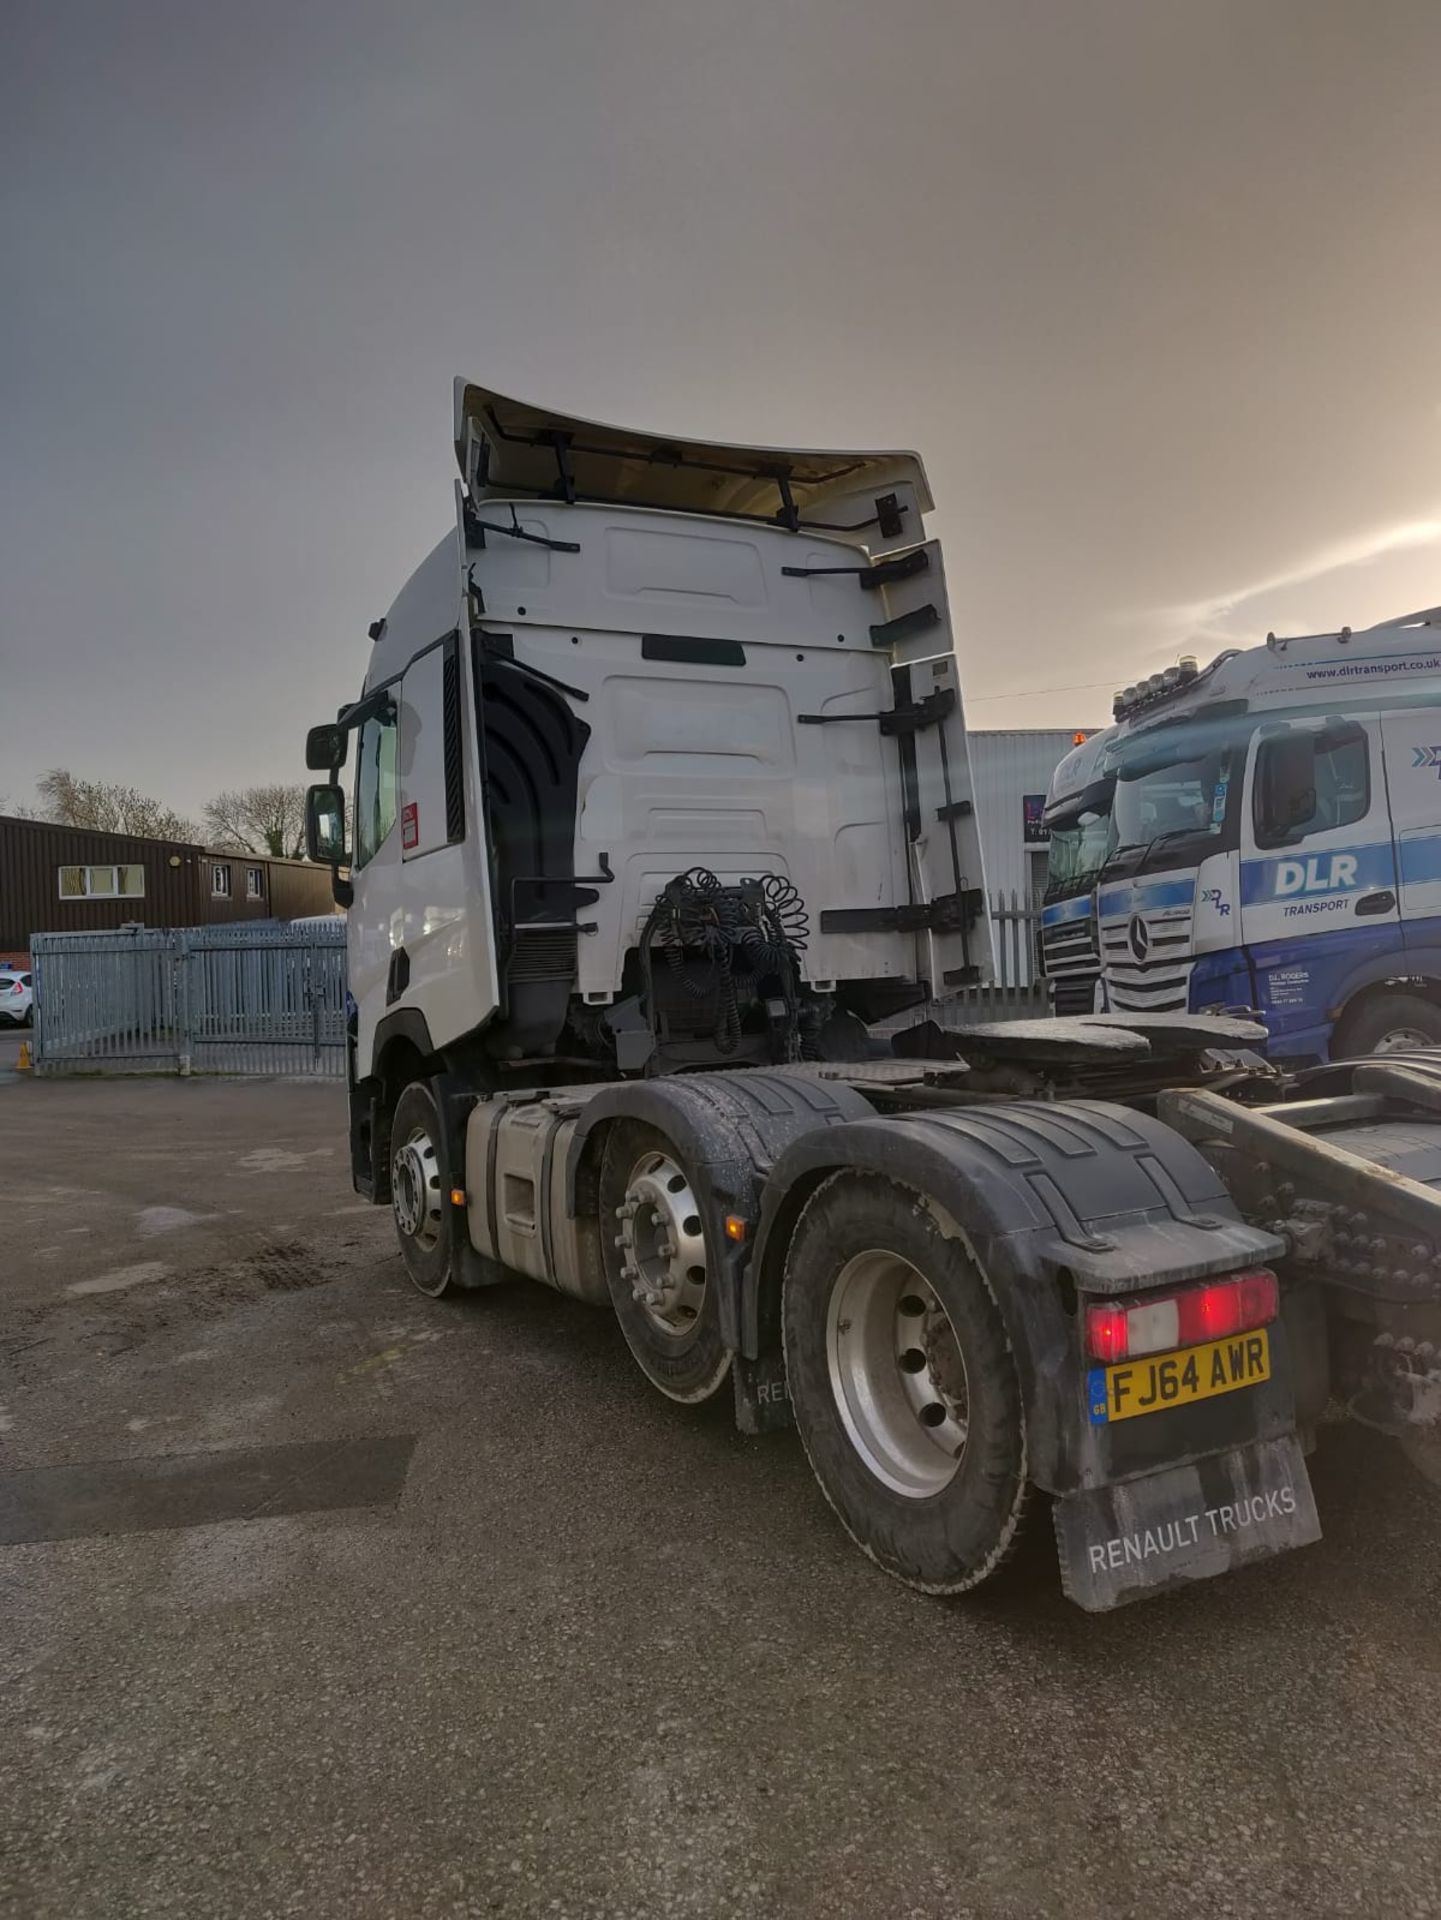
(1310, 782)
(375, 785)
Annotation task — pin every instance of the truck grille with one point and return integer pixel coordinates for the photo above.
(1071, 963)
(1158, 978)
(543, 953)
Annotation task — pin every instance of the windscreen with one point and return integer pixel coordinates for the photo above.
(1081, 835)
(1076, 852)
(1184, 799)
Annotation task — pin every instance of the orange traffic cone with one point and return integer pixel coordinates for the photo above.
(23, 1063)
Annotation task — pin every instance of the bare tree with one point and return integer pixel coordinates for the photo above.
(108, 805)
(268, 819)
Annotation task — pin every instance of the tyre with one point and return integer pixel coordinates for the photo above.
(658, 1264)
(1391, 1023)
(420, 1189)
(904, 1386)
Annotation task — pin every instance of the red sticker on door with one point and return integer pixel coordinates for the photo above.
(410, 826)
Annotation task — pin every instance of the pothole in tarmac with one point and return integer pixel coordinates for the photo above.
(288, 1269)
(176, 1296)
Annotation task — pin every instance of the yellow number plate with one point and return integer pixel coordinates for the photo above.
(1164, 1380)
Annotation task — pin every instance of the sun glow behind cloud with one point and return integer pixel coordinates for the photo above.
(1221, 616)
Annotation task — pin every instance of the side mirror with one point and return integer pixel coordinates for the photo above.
(1287, 797)
(325, 747)
(325, 826)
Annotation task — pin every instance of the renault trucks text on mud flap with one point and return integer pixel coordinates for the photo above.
(660, 812)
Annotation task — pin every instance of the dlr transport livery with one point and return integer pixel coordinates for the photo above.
(1264, 834)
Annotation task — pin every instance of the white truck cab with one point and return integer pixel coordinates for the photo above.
(646, 693)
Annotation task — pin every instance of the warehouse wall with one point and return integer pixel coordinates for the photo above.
(32, 853)
(179, 884)
(1006, 766)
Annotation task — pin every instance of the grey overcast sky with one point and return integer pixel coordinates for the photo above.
(1152, 284)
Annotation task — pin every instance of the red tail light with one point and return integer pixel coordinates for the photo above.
(1239, 1303)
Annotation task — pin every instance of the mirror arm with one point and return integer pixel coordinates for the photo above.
(342, 891)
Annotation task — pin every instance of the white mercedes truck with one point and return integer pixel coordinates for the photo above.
(1268, 833)
(657, 825)
(1078, 822)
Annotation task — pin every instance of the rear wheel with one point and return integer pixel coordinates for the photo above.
(659, 1265)
(904, 1385)
(1391, 1023)
(420, 1189)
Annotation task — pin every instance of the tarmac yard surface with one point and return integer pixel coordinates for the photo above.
(320, 1598)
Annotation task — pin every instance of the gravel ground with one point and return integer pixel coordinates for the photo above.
(601, 1656)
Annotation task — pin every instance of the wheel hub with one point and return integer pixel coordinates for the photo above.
(415, 1189)
(898, 1373)
(1402, 1040)
(662, 1243)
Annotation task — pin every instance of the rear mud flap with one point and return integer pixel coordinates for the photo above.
(1186, 1523)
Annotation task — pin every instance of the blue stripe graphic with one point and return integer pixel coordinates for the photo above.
(1308, 876)
(1059, 910)
(1420, 859)
(1148, 896)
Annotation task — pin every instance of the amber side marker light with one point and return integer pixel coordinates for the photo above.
(735, 1227)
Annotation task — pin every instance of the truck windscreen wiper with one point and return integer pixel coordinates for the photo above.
(1174, 833)
(1131, 846)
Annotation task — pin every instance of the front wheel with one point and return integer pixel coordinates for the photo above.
(420, 1190)
(904, 1385)
(1391, 1023)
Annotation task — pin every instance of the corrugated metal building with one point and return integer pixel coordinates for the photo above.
(1010, 772)
(76, 880)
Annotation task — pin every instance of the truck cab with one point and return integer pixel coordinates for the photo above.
(1275, 842)
(1077, 818)
(659, 762)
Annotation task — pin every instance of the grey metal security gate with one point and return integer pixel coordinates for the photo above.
(1018, 991)
(233, 999)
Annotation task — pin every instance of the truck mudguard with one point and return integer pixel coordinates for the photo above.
(1055, 1202)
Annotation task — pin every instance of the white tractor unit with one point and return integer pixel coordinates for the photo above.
(660, 818)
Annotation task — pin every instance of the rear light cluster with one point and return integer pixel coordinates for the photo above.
(1236, 1304)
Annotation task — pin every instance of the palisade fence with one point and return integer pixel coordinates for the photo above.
(229, 999)
(271, 1000)
(1017, 991)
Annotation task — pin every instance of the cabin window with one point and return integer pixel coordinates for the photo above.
(1310, 782)
(102, 883)
(375, 785)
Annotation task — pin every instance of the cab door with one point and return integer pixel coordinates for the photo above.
(1413, 781)
(1318, 868)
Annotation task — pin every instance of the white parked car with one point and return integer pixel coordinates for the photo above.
(17, 999)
